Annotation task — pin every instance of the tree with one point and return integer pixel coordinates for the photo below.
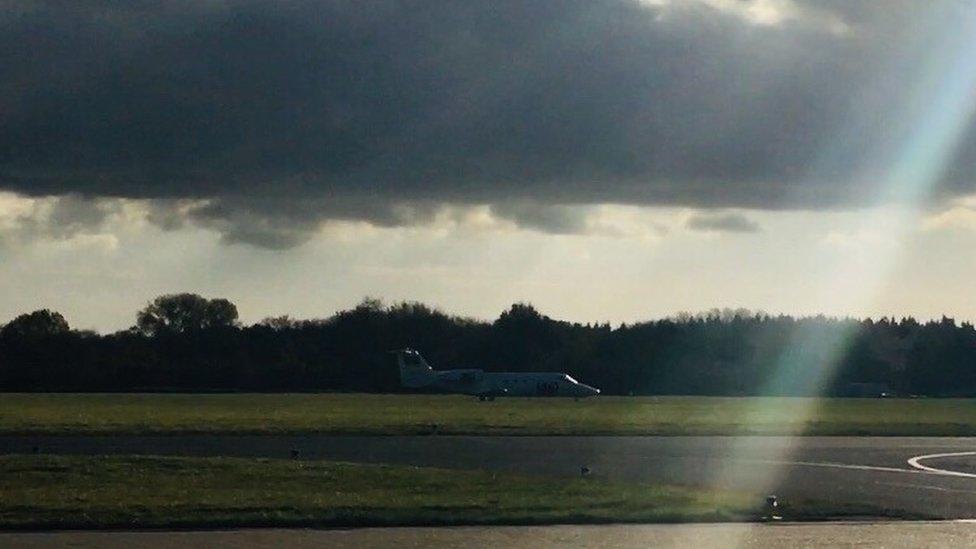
(39, 323)
(279, 323)
(182, 313)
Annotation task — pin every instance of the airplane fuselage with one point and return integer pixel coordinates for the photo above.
(415, 373)
(524, 384)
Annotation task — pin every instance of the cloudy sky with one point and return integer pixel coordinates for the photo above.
(607, 160)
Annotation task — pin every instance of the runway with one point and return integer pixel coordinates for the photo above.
(906, 476)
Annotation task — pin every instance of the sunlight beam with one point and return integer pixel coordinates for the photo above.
(908, 159)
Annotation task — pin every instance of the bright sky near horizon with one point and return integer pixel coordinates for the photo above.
(606, 160)
(646, 263)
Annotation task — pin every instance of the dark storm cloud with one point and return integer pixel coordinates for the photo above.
(282, 115)
(723, 222)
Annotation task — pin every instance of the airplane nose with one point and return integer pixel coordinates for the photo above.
(589, 391)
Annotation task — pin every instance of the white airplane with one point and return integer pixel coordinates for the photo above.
(415, 373)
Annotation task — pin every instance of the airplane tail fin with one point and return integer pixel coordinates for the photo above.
(414, 370)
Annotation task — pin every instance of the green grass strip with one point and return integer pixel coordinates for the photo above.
(43, 492)
(420, 414)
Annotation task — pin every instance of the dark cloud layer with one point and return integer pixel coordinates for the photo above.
(286, 114)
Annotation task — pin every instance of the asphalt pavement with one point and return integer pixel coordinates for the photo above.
(845, 471)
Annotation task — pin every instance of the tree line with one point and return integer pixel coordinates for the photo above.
(184, 342)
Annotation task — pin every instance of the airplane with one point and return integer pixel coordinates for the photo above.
(415, 373)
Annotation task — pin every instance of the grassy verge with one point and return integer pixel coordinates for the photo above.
(419, 414)
(144, 492)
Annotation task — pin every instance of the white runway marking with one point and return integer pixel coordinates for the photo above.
(916, 463)
(840, 466)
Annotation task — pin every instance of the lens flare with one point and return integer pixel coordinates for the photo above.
(923, 122)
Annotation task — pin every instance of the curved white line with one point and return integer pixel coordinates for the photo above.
(914, 462)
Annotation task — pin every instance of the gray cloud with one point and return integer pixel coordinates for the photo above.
(168, 215)
(281, 116)
(74, 214)
(553, 219)
(723, 222)
(59, 218)
(285, 221)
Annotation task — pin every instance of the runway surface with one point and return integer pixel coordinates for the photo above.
(915, 476)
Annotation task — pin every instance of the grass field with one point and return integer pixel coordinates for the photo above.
(422, 414)
(42, 492)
